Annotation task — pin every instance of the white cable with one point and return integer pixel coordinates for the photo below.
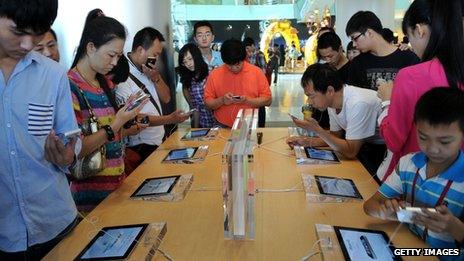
(167, 256)
(277, 152)
(312, 252)
(394, 234)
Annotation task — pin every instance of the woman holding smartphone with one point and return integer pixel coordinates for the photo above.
(193, 72)
(98, 52)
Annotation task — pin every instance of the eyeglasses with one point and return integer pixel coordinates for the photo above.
(355, 39)
(203, 35)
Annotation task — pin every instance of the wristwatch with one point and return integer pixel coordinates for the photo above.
(109, 132)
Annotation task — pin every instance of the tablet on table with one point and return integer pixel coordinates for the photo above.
(113, 243)
(196, 133)
(334, 186)
(180, 154)
(319, 154)
(156, 186)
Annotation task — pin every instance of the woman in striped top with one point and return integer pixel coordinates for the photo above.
(100, 47)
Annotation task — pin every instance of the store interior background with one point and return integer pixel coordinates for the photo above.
(231, 18)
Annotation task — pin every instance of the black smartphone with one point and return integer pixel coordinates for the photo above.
(150, 60)
(144, 120)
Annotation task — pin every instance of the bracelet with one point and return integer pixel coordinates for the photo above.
(109, 132)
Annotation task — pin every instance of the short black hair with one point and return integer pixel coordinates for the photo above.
(35, 15)
(363, 20)
(120, 72)
(329, 39)
(441, 106)
(248, 41)
(53, 34)
(388, 35)
(145, 38)
(321, 76)
(233, 51)
(200, 24)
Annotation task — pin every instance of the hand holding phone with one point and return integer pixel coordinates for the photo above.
(69, 135)
(150, 61)
(236, 97)
(293, 116)
(137, 101)
(190, 112)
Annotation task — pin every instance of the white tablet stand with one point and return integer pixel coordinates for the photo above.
(238, 177)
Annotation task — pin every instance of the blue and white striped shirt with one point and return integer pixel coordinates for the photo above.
(428, 191)
(36, 203)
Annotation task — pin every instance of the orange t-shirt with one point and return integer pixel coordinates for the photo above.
(250, 82)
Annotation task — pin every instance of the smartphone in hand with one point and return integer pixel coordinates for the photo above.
(150, 61)
(137, 102)
(190, 111)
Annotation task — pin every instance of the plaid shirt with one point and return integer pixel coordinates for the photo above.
(196, 92)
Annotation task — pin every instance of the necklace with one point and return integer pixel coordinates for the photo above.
(85, 79)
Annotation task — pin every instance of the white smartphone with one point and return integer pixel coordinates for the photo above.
(190, 111)
(137, 101)
(72, 134)
(293, 116)
(405, 215)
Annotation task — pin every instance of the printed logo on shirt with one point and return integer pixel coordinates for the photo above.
(382, 74)
(40, 119)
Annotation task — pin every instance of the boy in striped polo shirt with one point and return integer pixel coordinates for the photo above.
(433, 177)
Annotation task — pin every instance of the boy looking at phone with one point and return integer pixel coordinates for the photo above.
(433, 177)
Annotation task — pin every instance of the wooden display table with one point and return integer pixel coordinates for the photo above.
(284, 221)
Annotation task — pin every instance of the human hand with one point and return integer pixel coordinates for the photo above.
(293, 141)
(152, 73)
(404, 47)
(310, 124)
(56, 152)
(179, 116)
(442, 221)
(384, 91)
(228, 98)
(135, 129)
(388, 209)
(124, 115)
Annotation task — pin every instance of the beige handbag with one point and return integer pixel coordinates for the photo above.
(93, 163)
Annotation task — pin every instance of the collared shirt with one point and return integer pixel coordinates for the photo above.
(35, 198)
(250, 82)
(428, 191)
(151, 135)
(216, 60)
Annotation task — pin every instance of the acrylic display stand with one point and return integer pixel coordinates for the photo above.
(178, 192)
(313, 194)
(198, 157)
(212, 134)
(238, 177)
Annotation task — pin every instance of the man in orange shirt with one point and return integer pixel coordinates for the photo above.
(235, 85)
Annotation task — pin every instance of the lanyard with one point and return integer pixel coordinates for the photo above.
(440, 199)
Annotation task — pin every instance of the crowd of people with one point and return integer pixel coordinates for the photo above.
(398, 110)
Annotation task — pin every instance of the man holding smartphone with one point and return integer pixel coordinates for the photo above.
(145, 78)
(37, 209)
(235, 85)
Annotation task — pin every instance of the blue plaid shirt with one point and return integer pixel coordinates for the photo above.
(35, 200)
(197, 100)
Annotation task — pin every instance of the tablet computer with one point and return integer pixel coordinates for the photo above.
(365, 244)
(196, 133)
(180, 154)
(318, 154)
(334, 186)
(113, 243)
(156, 186)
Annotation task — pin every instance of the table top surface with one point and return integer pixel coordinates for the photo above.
(285, 221)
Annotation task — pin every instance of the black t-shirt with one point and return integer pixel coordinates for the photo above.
(343, 72)
(366, 68)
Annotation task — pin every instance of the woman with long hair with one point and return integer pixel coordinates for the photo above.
(193, 72)
(435, 31)
(98, 52)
